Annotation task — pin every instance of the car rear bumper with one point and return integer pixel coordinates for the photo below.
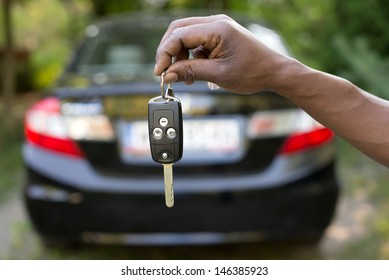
(78, 173)
(300, 209)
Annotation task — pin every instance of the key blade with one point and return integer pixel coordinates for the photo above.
(168, 178)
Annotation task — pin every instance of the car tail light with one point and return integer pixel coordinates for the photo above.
(45, 127)
(302, 141)
(301, 130)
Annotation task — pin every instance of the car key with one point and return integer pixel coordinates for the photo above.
(165, 134)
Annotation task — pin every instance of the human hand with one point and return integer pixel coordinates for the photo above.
(223, 52)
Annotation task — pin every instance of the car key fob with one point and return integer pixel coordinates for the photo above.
(165, 135)
(165, 129)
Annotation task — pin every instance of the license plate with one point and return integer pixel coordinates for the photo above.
(204, 139)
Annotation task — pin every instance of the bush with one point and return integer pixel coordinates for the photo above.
(366, 67)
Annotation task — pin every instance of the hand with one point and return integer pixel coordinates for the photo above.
(223, 52)
(230, 56)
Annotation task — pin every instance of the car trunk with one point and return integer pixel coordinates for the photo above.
(224, 115)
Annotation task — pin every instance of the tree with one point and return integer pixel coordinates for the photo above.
(8, 65)
(103, 7)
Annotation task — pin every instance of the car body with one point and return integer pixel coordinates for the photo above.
(254, 167)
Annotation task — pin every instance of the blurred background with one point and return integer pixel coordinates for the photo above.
(347, 38)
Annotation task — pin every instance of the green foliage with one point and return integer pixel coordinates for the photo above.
(11, 162)
(368, 19)
(361, 44)
(48, 29)
(103, 7)
(366, 66)
(306, 26)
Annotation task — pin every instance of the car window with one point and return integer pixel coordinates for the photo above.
(125, 55)
(119, 55)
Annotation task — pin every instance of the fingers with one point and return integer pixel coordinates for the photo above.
(192, 70)
(192, 21)
(185, 34)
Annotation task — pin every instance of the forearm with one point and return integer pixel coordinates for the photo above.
(230, 56)
(357, 116)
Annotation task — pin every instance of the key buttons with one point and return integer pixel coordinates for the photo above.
(171, 133)
(163, 121)
(157, 133)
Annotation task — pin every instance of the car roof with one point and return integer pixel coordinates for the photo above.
(162, 20)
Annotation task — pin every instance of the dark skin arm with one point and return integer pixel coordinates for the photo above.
(228, 55)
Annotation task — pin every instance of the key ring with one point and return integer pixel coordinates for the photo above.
(169, 91)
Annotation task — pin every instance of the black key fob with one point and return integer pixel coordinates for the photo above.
(165, 128)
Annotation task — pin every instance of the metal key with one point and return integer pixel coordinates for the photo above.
(168, 180)
(165, 134)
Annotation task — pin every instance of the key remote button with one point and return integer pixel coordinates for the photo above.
(163, 121)
(157, 133)
(165, 155)
(171, 133)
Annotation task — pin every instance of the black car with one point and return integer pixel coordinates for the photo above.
(254, 167)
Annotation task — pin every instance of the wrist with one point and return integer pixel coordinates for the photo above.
(289, 77)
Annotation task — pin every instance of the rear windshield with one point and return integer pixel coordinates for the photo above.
(126, 55)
